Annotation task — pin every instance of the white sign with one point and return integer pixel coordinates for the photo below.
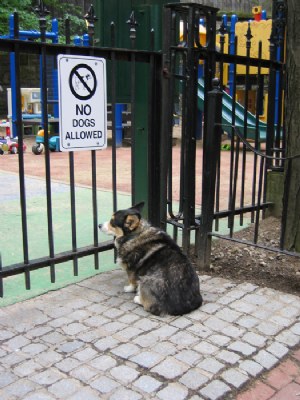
(82, 102)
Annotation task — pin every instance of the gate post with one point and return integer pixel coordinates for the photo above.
(211, 150)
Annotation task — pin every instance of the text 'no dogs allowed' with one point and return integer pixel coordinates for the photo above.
(82, 103)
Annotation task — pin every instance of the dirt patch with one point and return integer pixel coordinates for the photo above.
(242, 263)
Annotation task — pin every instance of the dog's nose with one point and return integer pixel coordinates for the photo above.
(100, 226)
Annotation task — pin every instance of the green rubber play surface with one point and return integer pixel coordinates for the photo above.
(11, 247)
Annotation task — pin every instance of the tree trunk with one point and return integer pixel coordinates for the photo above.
(292, 124)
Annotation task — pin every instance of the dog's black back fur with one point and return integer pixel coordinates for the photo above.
(164, 272)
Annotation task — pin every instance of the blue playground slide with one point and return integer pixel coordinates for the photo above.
(227, 104)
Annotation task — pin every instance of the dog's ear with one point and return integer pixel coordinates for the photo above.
(131, 222)
(139, 207)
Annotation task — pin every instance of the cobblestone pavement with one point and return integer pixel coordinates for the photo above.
(90, 341)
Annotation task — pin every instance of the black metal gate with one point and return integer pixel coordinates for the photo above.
(227, 186)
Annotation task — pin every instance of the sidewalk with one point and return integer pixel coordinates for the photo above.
(90, 341)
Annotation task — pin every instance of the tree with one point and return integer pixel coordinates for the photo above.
(29, 20)
(292, 121)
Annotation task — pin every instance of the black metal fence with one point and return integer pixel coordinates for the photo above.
(150, 62)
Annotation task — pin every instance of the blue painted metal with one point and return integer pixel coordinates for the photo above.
(26, 35)
(264, 15)
(119, 108)
(234, 20)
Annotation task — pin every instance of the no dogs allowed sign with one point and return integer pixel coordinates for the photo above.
(82, 102)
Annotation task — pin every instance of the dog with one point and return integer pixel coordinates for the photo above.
(157, 269)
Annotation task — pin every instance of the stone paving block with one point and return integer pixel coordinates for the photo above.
(7, 378)
(200, 330)
(181, 322)
(48, 358)
(268, 328)
(84, 373)
(106, 343)
(27, 368)
(242, 347)
(83, 394)
(235, 377)
(147, 340)
(277, 349)
(228, 356)
(165, 348)
(228, 315)
(74, 329)
(48, 377)
(265, 359)
(256, 299)
(173, 391)
(210, 365)
(147, 359)
(247, 287)
(164, 331)
(6, 334)
(280, 320)
(210, 308)
(254, 339)
(251, 367)
(193, 379)
(18, 389)
(206, 348)
(247, 321)
(113, 313)
(289, 311)
(215, 324)
(215, 390)
(53, 338)
(17, 343)
(86, 354)
(243, 307)
(128, 318)
(39, 395)
(233, 331)
(70, 347)
(104, 384)
(34, 348)
(296, 329)
(146, 324)
(64, 388)
(219, 340)
(130, 332)
(170, 368)
(184, 339)
(37, 332)
(124, 374)
(67, 364)
(188, 356)
(113, 327)
(124, 394)
(103, 363)
(125, 350)
(288, 338)
(147, 384)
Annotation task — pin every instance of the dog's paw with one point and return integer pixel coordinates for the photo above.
(130, 289)
(137, 300)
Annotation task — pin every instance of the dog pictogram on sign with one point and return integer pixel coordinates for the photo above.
(82, 102)
(83, 82)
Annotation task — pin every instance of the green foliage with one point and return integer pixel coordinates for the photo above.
(27, 17)
(28, 20)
